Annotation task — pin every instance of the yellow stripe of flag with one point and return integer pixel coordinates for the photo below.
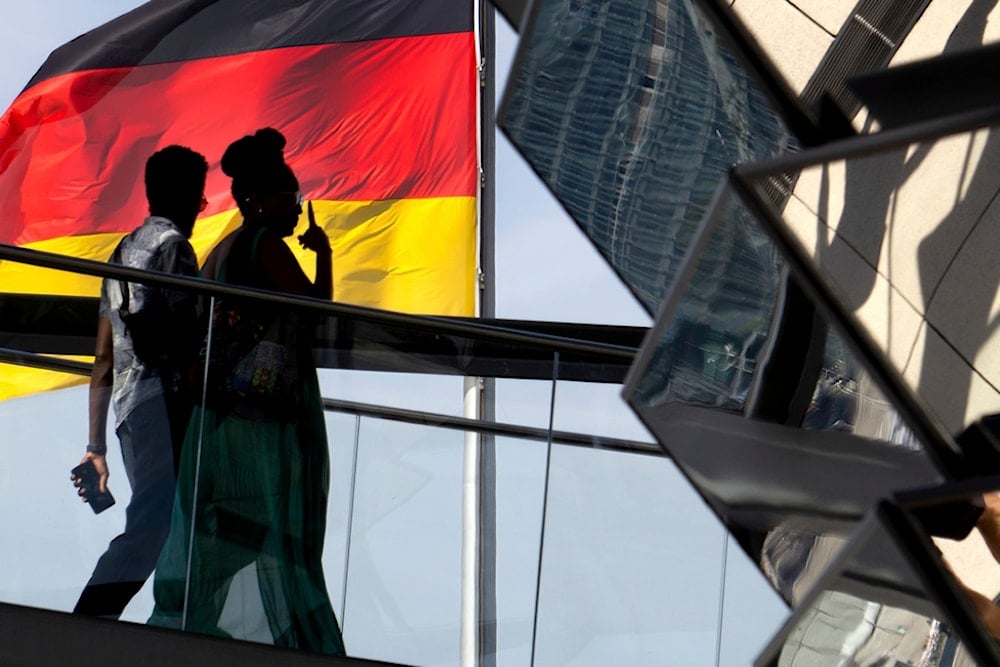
(406, 255)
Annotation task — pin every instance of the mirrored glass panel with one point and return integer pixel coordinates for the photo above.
(741, 335)
(887, 599)
(903, 239)
(765, 408)
(631, 112)
(710, 336)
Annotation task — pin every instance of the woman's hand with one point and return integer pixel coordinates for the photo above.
(314, 238)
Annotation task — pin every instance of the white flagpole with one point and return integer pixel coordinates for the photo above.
(477, 634)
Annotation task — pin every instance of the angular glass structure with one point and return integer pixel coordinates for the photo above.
(777, 486)
(823, 334)
(889, 596)
(631, 113)
(901, 234)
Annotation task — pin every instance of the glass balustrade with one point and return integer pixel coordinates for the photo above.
(599, 548)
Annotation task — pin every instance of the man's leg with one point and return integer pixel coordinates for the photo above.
(147, 453)
(179, 410)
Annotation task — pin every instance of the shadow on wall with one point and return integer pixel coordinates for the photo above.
(871, 220)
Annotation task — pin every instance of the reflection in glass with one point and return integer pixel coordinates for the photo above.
(725, 324)
(706, 353)
(632, 112)
(790, 490)
(887, 599)
(847, 398)
(905, 239)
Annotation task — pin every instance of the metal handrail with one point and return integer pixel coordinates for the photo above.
(492, 428)
(425, 323)
(44, 361)
(394, 414)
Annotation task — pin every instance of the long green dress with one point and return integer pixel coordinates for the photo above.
(256, 491)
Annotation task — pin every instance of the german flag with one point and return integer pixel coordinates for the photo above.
(377, 98)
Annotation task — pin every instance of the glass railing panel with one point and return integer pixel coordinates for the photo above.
(751, 612)
(404, 565)
(526, 402)
(520, 494)
(598, 409)
(343, 432)
(411, 391)
(44, 436)
(399, 494)
(631, 567)
(113, 563)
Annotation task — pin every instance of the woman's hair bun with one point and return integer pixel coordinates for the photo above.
(253, 153)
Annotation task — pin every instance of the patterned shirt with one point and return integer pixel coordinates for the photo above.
(156, 245)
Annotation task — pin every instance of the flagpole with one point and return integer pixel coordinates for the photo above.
(477, 636)
(487, 454)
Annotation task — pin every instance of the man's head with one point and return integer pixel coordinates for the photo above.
(175, 185)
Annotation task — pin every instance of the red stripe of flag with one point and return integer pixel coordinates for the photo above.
(386, 119)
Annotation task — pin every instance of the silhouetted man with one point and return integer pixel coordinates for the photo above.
(139, 370)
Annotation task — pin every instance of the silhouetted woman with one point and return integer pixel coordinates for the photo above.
(255, 469)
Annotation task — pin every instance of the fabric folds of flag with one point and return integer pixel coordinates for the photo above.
(376, 97)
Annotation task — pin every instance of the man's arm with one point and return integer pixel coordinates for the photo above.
(101, 380)
(178, 257)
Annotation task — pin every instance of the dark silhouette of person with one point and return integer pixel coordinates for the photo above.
(254, 478)
(147, 390)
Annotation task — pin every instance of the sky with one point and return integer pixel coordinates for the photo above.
(612, 497)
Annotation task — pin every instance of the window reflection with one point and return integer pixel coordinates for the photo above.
(632, 112)
(888, 597)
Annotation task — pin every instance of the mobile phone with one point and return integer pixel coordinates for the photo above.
(89, 482)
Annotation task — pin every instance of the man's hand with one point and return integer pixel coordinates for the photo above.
(101, 466)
